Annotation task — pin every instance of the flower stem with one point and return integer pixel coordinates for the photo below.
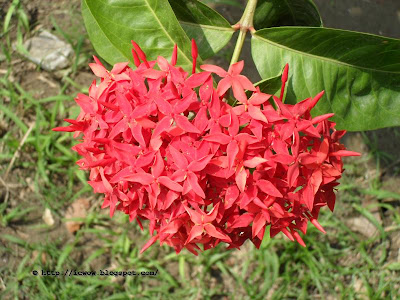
(245, 24)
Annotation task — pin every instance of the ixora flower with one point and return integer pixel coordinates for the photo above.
(163, 145)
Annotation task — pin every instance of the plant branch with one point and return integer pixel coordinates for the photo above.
(245, 24)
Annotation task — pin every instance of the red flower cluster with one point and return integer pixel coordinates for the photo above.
(164, 146)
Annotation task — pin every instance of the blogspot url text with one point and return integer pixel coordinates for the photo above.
(69, 273)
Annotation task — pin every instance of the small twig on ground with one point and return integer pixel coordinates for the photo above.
(18, 149)
(16, 61)
(44, 79)
(391, 228)
(7, 190)
(2, 285)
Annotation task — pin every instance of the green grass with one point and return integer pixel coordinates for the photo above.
(342, 264)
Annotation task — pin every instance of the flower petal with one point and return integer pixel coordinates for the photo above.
(214, 69)
(219, 138)
(150, 242)
(232, 150)
(172, 185)
(254, 162)
(241, 178)
(98, 70)
(255, 113)
(197, 166)
(217, 233)
(184, 123)
(195, 232)
(193, 180)
(268, 188)
(142, 178)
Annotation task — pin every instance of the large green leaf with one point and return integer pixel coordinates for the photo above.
(271, 86)
(274, 13)
(210, 30)
(112, 24)
(360, 73)
(226, 2)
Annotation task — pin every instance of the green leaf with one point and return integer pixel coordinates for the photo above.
(9, 113)
(112, 24)
(367, 214)
(64, 255)
(227, 2)
(15, 240)
(210, 30)
(381, 194)
(9, 14)
(359, 72)
(394, 266)
(275, 13)
(271, 86)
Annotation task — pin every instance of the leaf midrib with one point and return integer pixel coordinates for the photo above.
(166, 33)
(90, 11)
(155, 16)
(291, 11)
(334, 61)
(228, 29)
